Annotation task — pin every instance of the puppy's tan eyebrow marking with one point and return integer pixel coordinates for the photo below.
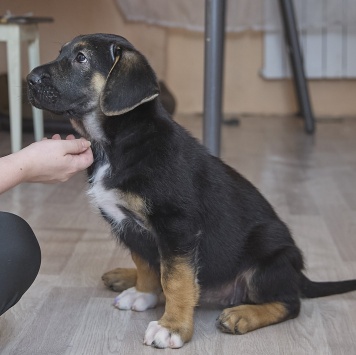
(81, 45)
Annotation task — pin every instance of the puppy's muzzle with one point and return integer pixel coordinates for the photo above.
(40, 91)
(35, 78)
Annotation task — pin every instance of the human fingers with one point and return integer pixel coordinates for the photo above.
(70, 136)
(75, 146)
(81, 161)
(85, 159)
(56, 136)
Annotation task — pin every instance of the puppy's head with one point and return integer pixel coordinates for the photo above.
(92, 73)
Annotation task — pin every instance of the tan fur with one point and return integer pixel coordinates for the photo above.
(113, 66)
(182, 295)
(251, 289)
(120, 279)
(245, 318)
(98, 82)
(144, 278)
(81, 44)
(79, 127)
(148, 280)
(137, 205)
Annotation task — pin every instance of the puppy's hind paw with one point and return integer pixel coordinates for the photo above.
(120, 279)
(135, 300)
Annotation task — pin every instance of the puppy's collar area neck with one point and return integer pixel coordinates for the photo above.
(93, 126)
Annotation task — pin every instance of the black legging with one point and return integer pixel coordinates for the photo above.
(20, 259)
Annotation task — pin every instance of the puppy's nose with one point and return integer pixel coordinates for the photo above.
(35, 78)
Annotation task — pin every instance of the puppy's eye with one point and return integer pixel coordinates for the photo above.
(81, 58)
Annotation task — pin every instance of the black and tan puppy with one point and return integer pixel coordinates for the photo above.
(197, 230)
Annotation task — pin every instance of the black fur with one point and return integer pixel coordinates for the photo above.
(198, 207)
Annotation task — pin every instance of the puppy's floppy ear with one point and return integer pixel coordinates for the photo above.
(130, 83)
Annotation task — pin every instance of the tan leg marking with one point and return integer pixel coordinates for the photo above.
(182, 295)
(245, 318)
(148, 280)
(144, 278)
(120, 279)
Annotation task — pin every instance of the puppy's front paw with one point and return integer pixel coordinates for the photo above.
(135, 300)
(160, 337)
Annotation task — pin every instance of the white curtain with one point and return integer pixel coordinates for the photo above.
(258, 15)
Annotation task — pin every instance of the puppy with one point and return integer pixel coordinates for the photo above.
(196, 229)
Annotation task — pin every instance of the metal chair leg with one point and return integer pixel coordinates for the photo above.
(292, 40)
(213, 73)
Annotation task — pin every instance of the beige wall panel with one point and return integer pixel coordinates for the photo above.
(178, 57)
(80, 17)
(245, 91)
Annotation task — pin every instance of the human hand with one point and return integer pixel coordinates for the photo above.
(54, 160)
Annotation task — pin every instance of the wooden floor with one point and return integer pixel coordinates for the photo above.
(311, 181)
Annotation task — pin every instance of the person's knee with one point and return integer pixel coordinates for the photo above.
(19, 244)
(20, 259)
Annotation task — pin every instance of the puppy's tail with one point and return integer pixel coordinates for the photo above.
(312, 289)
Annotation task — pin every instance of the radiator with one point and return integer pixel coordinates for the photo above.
(329, 48)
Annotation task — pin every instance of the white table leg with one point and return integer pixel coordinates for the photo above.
(15, 94)
(34, 61)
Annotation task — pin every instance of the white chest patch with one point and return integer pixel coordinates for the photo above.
(92, 124)
(108, 201)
